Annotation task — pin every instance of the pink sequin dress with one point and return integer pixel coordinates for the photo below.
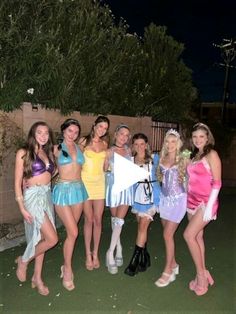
(200, 182)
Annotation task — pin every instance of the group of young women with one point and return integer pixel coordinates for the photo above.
(176, 184)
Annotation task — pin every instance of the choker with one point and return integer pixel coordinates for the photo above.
(118, 146)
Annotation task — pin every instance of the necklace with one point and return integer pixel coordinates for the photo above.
(118, 146)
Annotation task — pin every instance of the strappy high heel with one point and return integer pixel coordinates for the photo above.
(201, 290)
(21, 269)
(89, 262)
(67, 284)
(193, 282)
(209, 278)
(161, 282)
(42, 289)
(176, 269)
(96, 262)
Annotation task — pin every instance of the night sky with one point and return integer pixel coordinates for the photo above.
(195, 23)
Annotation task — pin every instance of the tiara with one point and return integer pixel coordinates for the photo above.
(120, 126)
(200, 124)
(173, 132)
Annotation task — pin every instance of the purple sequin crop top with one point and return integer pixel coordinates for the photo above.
(39, 167)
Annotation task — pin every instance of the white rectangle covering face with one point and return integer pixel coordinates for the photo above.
(126, 173)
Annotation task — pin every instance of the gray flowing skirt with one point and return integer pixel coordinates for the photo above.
(38, 202)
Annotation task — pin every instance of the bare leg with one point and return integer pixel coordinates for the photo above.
(49, 240)
(168, 234)
(164, 222)
(70, 216)
(98, 206)
(37, 276)
(88, 230)
(38, 266)
(143, 225)
(113, 211)
(169, 273)
(196, 226)
(200, 241)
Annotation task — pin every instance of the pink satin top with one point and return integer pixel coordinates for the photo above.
(200, 183)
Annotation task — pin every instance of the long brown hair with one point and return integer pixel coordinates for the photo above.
(210, 140)
(88, 138)
(142, 136)
(31, 145)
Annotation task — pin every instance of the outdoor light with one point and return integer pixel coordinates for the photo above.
(35, 107)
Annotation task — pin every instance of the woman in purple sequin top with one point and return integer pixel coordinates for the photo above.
(173, 198)
(33, 171)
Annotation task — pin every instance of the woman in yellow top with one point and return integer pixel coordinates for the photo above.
(94, 147)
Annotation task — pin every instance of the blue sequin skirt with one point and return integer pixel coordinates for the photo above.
(69, 193)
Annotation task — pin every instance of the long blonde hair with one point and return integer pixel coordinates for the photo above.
(179, 158)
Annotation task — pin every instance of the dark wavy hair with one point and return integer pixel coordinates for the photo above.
(31, 144)
(148, 155)
(210, 140)
(64, 126)
(88, 138)
(69, 122)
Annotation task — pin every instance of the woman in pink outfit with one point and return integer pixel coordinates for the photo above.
(204, 183)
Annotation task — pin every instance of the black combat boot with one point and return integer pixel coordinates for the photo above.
(132, 268)
(145, 261)
(147, 256)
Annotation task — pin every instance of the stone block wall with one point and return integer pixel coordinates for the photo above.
(24, 118)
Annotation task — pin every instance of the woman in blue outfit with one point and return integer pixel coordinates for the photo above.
(118, 202)
(69, 193)
(33, 170)
(146, 201)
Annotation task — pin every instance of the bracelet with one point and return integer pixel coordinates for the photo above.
(19, 198)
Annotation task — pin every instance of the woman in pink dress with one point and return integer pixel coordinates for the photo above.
(204, 183)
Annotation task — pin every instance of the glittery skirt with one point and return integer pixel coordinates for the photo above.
(173, 207)
(69, 193)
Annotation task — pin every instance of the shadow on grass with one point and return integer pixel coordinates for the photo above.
(98, 291)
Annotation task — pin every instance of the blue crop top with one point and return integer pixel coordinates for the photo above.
(64, 158)
(39, 167)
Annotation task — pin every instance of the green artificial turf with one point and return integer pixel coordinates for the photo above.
(98, 291)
